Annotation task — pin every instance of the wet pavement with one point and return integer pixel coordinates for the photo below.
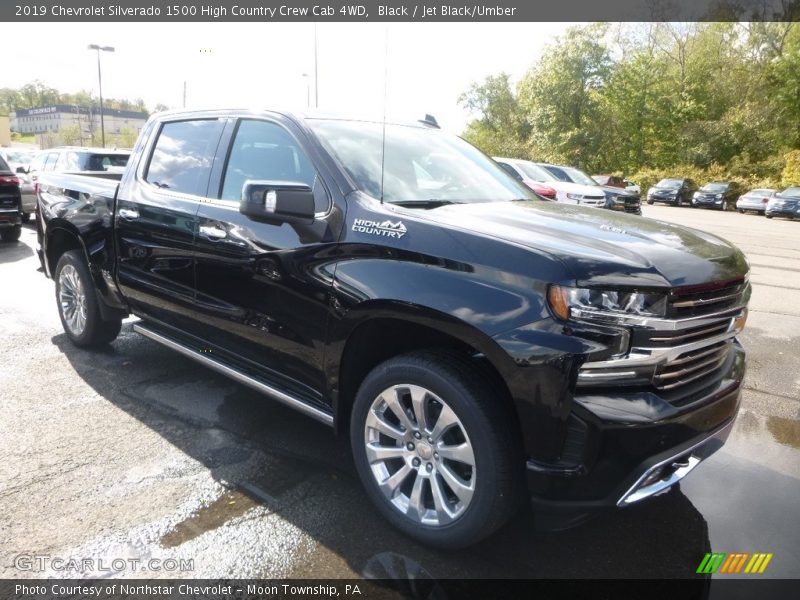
(137, 452)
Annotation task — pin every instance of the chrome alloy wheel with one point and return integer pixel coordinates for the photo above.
(420, 454)
(72, 299)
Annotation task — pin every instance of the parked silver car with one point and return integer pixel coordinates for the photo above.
(755, 200)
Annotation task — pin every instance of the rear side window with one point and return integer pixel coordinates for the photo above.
(266, 151)
(183, 155)
(3, 165)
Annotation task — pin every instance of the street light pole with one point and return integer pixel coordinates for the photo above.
(308, 90)
(100, 87)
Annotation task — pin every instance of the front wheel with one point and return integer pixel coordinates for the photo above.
(78, 305)
(432, 446)
(768, 216)
(26, 217)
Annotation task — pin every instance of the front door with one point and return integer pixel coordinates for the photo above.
(260, 285)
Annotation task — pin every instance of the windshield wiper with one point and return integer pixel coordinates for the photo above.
(429, 203)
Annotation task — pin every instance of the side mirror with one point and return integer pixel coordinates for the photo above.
(22, 170)
(282, 201)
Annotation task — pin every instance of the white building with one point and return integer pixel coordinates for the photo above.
(52, 119)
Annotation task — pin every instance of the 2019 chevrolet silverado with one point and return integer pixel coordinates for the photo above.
(476, 344)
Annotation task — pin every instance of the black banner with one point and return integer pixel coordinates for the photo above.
(403, 10)
(416, 588)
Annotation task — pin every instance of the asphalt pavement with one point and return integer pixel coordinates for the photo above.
(137, 453)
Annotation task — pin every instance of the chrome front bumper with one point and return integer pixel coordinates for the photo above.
(669, 471)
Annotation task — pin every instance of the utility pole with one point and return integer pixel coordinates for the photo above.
(316, 78)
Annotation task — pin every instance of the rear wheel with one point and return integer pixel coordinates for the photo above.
(78, 305)
(768, 216)
(26, 217)
(431, 443)
(740, 211)
(11, 234)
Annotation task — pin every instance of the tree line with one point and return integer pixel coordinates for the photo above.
(37, 94)
(702, 100)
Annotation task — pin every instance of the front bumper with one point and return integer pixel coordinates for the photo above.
(793, 213)
(627, 446)
(665, 199)
(10, 217)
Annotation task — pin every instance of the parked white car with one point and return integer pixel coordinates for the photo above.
(536, 176)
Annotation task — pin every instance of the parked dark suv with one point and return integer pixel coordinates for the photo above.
(672, 191)
(393, 282)
(720, 195)
(10, 204)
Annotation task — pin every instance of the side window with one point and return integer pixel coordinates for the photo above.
(73, 161)
(264, 150)
(183, 155)
(37, 164)
(50, 161)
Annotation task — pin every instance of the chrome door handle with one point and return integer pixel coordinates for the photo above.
(127, 213)
(212, 232)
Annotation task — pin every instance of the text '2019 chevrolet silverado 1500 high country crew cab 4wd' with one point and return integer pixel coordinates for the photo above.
(393, 282)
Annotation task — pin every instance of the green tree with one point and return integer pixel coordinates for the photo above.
(501, 128)
(561, 95)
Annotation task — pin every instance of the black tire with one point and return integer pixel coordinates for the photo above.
(26, 217)
(11, 234)
(97, 332)
(650, 202)
(741, 212)
(768, 216)
(482, 413)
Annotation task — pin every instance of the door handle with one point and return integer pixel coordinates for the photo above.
(212, 232)
(127, 213)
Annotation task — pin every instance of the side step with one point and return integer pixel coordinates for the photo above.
(247, 380)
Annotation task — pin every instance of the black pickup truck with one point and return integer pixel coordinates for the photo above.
(478, 346)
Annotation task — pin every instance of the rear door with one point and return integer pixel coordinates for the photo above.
(155, 221)
(260, 286)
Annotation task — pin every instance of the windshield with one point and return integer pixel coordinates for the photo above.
(714, 187)
(578, 176)
(670, 184)
(420, 164)
(3, 165)
(19, 156)
(535, 172)
(792, 192)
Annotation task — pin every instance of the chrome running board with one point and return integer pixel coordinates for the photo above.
(247, 380)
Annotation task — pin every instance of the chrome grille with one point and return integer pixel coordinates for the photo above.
(691, 366)
(692, 303)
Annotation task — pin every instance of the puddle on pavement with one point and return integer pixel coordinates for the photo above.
(273, 480)
(228, 506)
(785, 431)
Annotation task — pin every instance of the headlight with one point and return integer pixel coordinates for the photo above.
(569, 302)
(574, 196)
(696, 195)
(719, 196)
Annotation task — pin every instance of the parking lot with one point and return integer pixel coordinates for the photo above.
(137, 452)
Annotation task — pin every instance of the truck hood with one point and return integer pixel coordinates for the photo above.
(601, 247)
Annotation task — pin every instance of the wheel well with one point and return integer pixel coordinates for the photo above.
(60, 241)
(380, 339)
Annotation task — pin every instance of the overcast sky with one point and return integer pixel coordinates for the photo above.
(261, 64)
